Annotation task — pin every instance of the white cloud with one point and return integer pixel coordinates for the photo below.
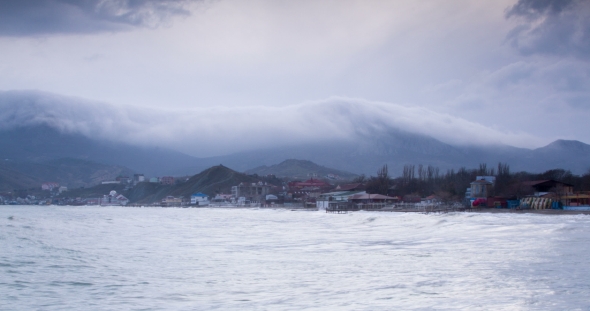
(217, 130)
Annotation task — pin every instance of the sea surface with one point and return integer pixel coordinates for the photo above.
(123, 258)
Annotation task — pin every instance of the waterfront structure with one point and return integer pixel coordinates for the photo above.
(325, 199)
(171, 201)
(112, 199)
(199, 199)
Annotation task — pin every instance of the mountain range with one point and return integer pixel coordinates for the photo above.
(36, 153)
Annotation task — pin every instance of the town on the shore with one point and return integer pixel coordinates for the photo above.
(419, 188)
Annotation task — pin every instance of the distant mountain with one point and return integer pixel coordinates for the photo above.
(299, 169)
(363, 156)
(43, 143)
(72, 173)
(568, 154)
(397, 148)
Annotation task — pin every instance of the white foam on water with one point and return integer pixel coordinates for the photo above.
(118, 258)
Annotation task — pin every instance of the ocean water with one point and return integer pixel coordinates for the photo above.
(121, 258)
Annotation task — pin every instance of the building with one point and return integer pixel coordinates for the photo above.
(326, 199)
(171, 201)
(481, 188)
(112, 199)
(137, 178)
(123, 179)
(49, 186)
(366, 198)
(491, 179)
(199, 199)
(313, 183)
(350, 187)
(549, 185)
(252, 192)
(109, 182)
(224, 198)
(167, 180)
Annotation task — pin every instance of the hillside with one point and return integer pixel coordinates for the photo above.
(299, 169)
(216, 179)
(44, 143)
(73, 173)
(11, 179)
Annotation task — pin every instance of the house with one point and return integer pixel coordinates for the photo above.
(113, 199)
(491, 179)
(199, 199)
(49, 186)
(298, 185)
(549, 185)
(223, 197)
(137, 178)
(167, 180)
(252, 192)
(481, 188)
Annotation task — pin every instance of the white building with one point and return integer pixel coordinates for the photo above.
(324, 200)
(199, 199)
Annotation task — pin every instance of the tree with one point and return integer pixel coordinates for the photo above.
(381, 183)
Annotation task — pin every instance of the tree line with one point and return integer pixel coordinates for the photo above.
(424, 180)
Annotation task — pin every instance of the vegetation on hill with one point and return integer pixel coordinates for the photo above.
(299, 169)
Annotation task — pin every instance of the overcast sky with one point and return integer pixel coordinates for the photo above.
(515, 72)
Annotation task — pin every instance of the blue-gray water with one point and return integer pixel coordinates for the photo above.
(93, 258)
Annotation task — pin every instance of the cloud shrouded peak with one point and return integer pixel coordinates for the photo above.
(219, 130)
(552, 27)
(38, 17)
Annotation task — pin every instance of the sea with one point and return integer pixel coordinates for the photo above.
(126, 258)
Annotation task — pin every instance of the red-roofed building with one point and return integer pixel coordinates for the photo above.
(316, 183)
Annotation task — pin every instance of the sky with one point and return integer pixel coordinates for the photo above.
(213, 77)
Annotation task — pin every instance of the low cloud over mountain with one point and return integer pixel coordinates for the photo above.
(210, 131)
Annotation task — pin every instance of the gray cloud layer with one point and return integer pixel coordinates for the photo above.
(218, 130)
(37, 17)
(554, 27)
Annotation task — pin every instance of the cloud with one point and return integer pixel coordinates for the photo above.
(219, 130)
(40, 17)
(551, 27)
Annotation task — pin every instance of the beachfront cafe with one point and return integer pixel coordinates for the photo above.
(576, 201)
